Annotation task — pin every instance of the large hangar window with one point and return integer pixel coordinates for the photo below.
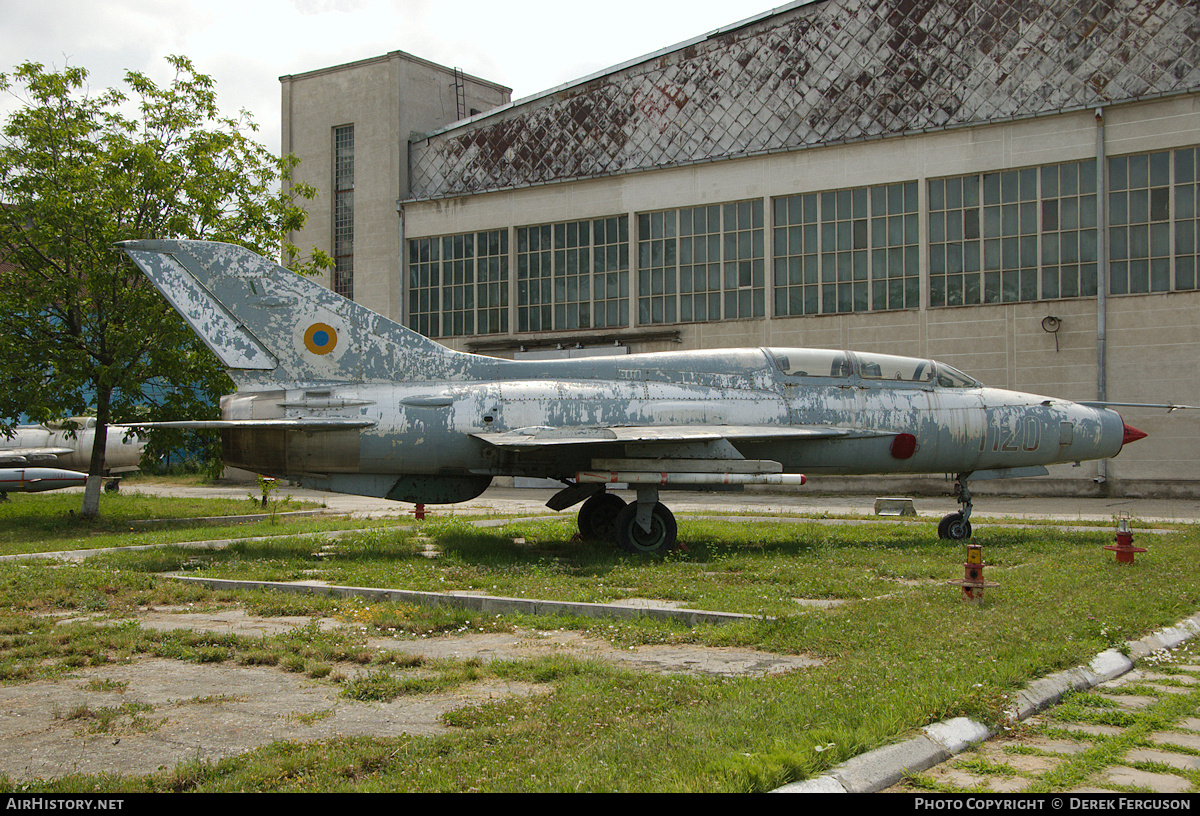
(573, 275)
(458, 284)
(1031, 234)
(1187, 219)
(701, 264)
(984, 236)
(853, 250)
(1139, 223)
(1068, 230)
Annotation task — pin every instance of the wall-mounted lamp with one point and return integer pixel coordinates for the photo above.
(1052, 324)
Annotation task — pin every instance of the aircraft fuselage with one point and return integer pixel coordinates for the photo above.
(473, 428)
(343, 399)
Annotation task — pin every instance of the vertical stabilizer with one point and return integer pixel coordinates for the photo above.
(269, 325)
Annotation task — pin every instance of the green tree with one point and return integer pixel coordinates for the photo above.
(83, 333)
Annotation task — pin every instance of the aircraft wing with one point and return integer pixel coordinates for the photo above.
(534, 438)
(29, 456)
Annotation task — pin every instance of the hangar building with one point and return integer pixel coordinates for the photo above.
(1009, 186)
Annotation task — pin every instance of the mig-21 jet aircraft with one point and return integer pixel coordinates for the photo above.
(339, 398)
(67, 443)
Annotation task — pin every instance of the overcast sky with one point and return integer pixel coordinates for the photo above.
(246, 45)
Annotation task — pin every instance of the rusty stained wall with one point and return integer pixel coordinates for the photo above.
(827, 72)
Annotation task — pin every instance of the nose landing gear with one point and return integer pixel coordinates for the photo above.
(957, 526)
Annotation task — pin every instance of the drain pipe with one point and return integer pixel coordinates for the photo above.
(1101, 277)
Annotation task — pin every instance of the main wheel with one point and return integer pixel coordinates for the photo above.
(598, 517)
(663, 535)
(954, 527)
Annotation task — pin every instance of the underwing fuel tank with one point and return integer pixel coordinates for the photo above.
(342, 399)
(38, 480)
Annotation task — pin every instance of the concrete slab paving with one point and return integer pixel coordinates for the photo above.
(1145, 780)
(1130, 701)
(1034, 754)
(1091, 729)
(163, 712)
(1184, 762)
(1189, 741)
(1056, 746)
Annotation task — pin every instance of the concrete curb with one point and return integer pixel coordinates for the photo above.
(884, 767)
(490, 604)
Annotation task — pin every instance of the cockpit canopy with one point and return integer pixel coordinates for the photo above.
(869, 366)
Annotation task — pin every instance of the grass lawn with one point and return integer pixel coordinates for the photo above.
(901, 650)
(47, 522)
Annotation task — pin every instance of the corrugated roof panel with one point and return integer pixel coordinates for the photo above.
(826, 72)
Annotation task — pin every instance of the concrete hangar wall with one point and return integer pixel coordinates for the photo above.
(1010, 187)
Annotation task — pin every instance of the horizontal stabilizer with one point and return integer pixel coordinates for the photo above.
(294, 424)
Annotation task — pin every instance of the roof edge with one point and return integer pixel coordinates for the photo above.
(388, 57)
(716, 32)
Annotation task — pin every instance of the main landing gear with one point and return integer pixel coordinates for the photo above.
(957, 526)
(642, 526)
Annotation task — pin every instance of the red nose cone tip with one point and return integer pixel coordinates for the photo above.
(1132, 434)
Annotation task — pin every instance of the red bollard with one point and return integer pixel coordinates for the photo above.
(972, 582)
(1124, 547)
(420, 512)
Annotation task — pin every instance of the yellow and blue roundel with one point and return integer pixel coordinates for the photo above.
(320, 338)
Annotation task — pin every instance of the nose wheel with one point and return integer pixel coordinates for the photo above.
(957, 526)
(954, 527)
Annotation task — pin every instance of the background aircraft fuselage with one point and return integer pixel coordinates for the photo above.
(123, 453)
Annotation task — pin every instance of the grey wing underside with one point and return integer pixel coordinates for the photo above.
(665, 435)
(689, 455)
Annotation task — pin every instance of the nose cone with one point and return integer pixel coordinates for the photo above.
(1132, 434)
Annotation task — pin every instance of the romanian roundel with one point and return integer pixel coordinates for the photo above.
(320, 338)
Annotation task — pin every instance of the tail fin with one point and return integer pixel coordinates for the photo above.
(269, 325)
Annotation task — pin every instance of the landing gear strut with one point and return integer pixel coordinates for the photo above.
(957, 526)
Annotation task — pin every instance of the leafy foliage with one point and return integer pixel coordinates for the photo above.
(84, 332)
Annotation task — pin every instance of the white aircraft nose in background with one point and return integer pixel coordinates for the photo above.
(68, 444)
